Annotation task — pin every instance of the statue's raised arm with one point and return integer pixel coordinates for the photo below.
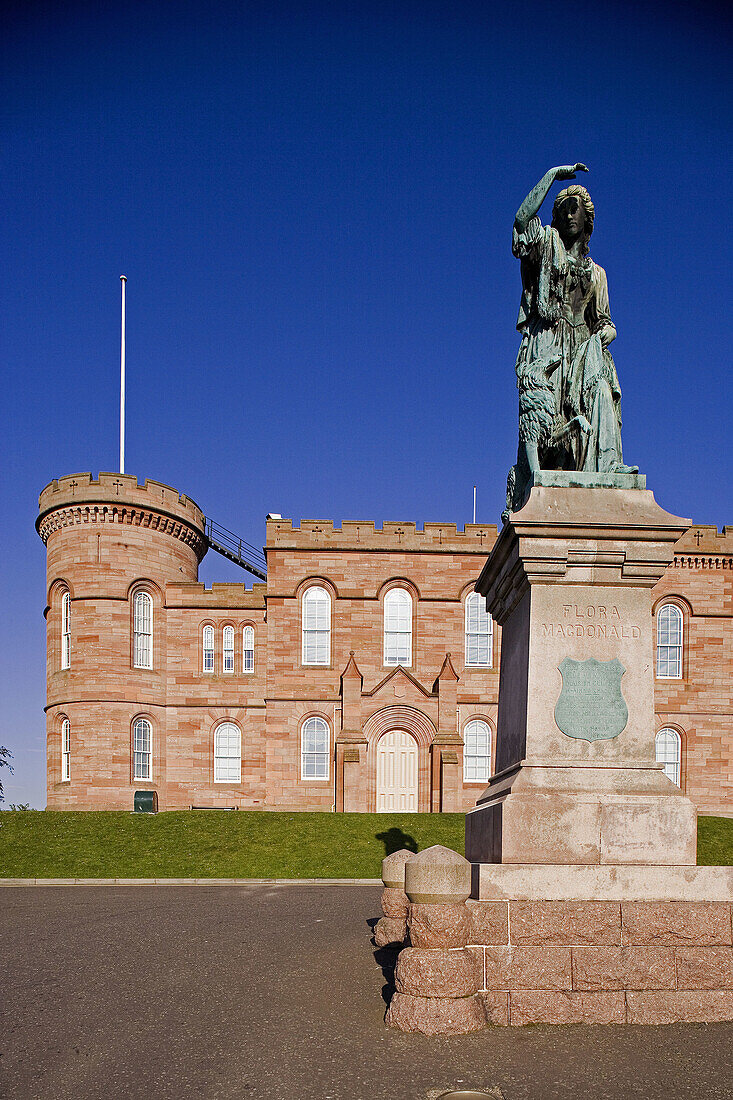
(538, 194)
(569, 395)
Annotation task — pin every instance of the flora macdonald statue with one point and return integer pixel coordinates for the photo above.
(569, 394)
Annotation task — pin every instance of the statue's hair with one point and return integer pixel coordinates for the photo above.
(580, 192)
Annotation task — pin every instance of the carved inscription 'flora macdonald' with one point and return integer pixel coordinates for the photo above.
(590, 621)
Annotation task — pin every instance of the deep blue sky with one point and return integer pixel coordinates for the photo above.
(313, 205)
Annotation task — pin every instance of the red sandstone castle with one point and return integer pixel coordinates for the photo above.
(362, 676)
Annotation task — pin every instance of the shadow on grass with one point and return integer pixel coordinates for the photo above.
(386, 959)
(395, 839)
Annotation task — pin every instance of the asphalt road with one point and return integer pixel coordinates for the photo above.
(275, 992)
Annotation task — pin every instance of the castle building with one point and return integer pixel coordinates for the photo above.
(363, 675)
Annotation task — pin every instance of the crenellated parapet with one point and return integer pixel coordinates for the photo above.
(118, 499)
(704, 547)
(363, 535)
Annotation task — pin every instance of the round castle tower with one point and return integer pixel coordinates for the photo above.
(112, 546)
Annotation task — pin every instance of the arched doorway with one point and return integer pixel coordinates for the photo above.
(397, 773)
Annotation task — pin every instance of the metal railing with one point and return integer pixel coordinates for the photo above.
(233, 548)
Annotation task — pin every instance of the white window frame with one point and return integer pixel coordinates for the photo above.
(142, 749)
(225, 771)
(66, 630)
(669, 653)
(207, 648)
(142, 630)
(315, 759)
(668, 751)
(227, 650)
(397, 628)
(248, 649)
(480, 769)
(65, 751)
(314, 633)
(475, 632)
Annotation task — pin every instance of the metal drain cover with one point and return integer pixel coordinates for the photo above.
(469, 1094)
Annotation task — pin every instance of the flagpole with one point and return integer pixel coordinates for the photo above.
(474, 504)
(123, 280)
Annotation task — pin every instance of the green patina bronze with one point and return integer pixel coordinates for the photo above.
(569, 393)
(591, 706)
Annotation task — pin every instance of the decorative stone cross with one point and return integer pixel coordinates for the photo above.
(118, 485)
(698, 536)
(72, 485)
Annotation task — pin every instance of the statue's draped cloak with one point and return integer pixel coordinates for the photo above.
(561, 363)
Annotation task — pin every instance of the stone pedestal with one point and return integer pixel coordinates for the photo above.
(569, 581)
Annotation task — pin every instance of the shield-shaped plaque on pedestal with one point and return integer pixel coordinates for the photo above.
(591, 705)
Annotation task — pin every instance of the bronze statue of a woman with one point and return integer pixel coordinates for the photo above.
(569, 394)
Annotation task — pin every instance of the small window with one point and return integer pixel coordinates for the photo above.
(66, 630)
(227, 753)
(669, 642)
(141, 749)
(65, 750)
(208, 649)
(248, 649)
(316, 627)
(398, 627)
(227, 656)
(477, 752)
(479, 632)
(314, 742)
(667, 751)
(142, 629)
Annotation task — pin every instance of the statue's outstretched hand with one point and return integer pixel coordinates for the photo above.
(567, 171)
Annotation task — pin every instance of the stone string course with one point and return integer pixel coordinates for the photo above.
(472, 964)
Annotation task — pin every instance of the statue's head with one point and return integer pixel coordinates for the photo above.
(572, 206)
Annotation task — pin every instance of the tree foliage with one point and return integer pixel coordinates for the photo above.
(5, 755)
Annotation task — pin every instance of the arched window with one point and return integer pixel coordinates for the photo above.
(477, 752)
(316, 626)
(227, 653)
(65, 750)
(314, 745)
(667, 750)
(669, 642)
(142, 631)
(142, 749)
(479, 632)
(227, 753)
(248, 649)
(66, 630)
(207, 650)
(398, 627)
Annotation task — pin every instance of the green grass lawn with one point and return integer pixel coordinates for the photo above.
(217, 844)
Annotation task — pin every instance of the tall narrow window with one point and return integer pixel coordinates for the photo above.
(248, 649)
(207, 643)
(66, 630)
(316, 627)
(227, 753)
(65, 750)
(669, 642)
(314, 742)
(398, 627)
(667, 750)
(142, 740)
(227, 653)
(477, 752)
(142, 631)
(479, 632)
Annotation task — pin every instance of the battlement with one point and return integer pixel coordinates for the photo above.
(364, 535)
(226, 596)
(115, 493)
(704, 541)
